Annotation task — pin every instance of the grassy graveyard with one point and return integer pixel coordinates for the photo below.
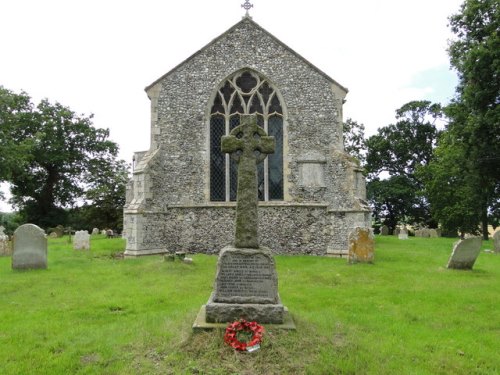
(96, 313)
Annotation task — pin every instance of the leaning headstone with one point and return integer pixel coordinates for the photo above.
(433, 233)
(403, 234)
(465, 253)
(81, 240)
(246, 282)
(95, 231)
(384, 230)
(496, 241)
(30, 248)
(361, 246)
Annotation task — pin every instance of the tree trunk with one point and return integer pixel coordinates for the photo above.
(484, 221)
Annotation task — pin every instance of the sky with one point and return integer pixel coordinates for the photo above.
(97, 56)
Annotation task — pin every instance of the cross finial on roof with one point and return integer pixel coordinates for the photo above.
(247, 7)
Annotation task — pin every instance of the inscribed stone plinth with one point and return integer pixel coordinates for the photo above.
(384, 230)
(361, 246)
(81, 240)
(246, 286)
(30, 248)
(465, 253)
(496, 241)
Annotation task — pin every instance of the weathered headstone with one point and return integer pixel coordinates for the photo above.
(424, 233)
(384, 230)
(81, 240)
(397, 230)
(30, 248)
(246, 282)
(5, 248)
(361, 246)
(465, 253)
(95, 231)
(433, 233)
(403, 234)
(496, 241)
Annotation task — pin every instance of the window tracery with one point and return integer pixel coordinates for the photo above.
(245, 92)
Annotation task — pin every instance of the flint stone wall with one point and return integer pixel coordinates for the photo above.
(168, 197)
(285, 230)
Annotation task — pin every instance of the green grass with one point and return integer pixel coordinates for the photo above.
(95, 313)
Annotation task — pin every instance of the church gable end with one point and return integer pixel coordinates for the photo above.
(192, 183)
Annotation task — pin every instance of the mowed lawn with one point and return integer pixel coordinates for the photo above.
(96, 313)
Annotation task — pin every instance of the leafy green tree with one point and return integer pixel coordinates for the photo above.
(397, 151)
(15, 112)
(64, 153)
(107, 194)
(467, 195)
(354, 139)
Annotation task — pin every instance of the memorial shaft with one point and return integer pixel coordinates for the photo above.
(249, 145)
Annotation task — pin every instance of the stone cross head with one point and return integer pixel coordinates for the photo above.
(248, 140)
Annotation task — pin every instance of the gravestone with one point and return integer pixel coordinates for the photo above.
(81, 240)
(246, 282)
(5, 248)
(30, 248)
(361, 246)
(384, 230)
(397, 230)
(465, 253)
(433, 233)
(95, 231)
(425, 233)
(403, 234)
(496, 242)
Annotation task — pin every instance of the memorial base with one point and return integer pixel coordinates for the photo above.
(229, 312)
(246, 287)
(201, 324)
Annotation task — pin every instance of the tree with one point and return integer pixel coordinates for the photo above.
(354, 139)
(15, 112)
(398, 150)
(473, 133)
(63, 154)
(107, 194)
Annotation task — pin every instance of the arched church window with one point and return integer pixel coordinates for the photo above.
(245, 93)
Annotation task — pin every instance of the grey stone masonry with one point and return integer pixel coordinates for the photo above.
(30, 248)
(168, 202)
(246, 286)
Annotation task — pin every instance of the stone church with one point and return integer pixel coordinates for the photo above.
(183, 190)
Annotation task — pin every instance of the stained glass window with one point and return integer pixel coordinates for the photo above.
(245, 93)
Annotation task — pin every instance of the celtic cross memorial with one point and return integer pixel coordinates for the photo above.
(249, 145)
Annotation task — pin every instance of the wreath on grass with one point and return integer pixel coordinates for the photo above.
(243, 335)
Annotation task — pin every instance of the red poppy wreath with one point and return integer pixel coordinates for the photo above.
(234, 329)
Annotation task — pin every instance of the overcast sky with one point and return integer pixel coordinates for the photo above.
(97, 56)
